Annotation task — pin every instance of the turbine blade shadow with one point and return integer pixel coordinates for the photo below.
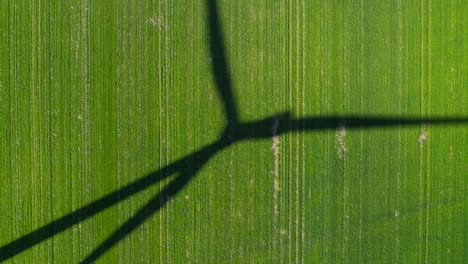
(219, 64)
(286, 124)
(154, 204)
(57, 226)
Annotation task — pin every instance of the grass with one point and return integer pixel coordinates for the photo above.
(96, 95)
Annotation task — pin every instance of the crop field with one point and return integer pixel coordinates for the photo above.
(242, 131)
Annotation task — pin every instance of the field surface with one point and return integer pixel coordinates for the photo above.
(292, 131)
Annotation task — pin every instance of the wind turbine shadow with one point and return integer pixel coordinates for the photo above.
(246, 131)
(187, 167)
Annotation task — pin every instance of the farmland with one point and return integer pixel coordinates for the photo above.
(241, 131)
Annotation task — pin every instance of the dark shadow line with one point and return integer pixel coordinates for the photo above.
(57, 226)
(155, 203)
(219, 65)
(263, 128)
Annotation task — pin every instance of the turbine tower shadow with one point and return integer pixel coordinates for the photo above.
(187, 167)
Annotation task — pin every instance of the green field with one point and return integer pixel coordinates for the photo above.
(242, 131)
